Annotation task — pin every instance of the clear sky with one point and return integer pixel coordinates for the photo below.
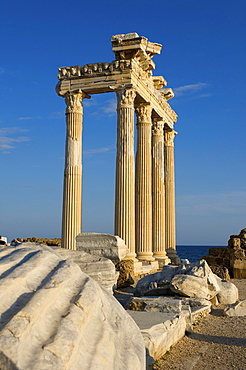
(204, 61)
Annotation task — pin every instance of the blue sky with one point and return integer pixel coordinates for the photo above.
(203, 59)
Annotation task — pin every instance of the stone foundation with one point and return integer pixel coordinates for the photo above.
(233, 257)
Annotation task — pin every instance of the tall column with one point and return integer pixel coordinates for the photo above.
(72, 189)
(125, 183)
(170, 196)
(144, 184)
(158, 192)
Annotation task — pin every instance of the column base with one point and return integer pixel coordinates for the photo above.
(143, 256)
(162, 257)
(173, 256)
(131, 256)
(163, 260)
(149, 267)
(138, 268)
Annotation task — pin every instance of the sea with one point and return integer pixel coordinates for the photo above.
(194, 252)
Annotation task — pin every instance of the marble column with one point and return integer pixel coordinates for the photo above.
(170, 195)
(144, 184)
(125, 182)
(158, 193)
(72, 189)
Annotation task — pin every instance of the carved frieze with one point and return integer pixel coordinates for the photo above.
(93, 69)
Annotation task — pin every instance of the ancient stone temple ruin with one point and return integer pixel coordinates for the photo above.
(144, 188)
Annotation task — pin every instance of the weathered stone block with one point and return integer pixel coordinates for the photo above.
(126, 273)
(160, 330)
(237, 309)
(239, 269)
(102, 245)
(101, 269)
(194, 287)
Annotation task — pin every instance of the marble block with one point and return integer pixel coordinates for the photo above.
(102, 245)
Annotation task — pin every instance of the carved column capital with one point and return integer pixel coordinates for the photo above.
(74, 102)
(125, 98)
(143, 112)
(169, 137)
(157, 128)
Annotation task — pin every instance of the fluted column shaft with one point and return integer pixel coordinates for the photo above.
(72, 189)
(144, 184)
(125, 182)
(170, 195)
(158, 192)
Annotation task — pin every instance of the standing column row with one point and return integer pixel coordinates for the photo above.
(150, 222)
(145, 200)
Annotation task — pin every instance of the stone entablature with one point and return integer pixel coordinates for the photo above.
(131, 69)
(130, 77)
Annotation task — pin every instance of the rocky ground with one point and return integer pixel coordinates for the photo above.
(217, 342)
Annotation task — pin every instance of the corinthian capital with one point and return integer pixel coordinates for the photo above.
(143, 111)
(125, 98)
(157, 128)
(169, 137)
(74, 102)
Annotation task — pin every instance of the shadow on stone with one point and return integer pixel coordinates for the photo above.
(6, 363)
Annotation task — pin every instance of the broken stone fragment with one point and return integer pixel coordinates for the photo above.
(237, 309)
(194, 286)
(228, 293)
(192, 280)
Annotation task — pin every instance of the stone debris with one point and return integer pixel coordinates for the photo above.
(164, 320)
(54, 316)
(195, 280)
(237, 309)
(194, 286)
